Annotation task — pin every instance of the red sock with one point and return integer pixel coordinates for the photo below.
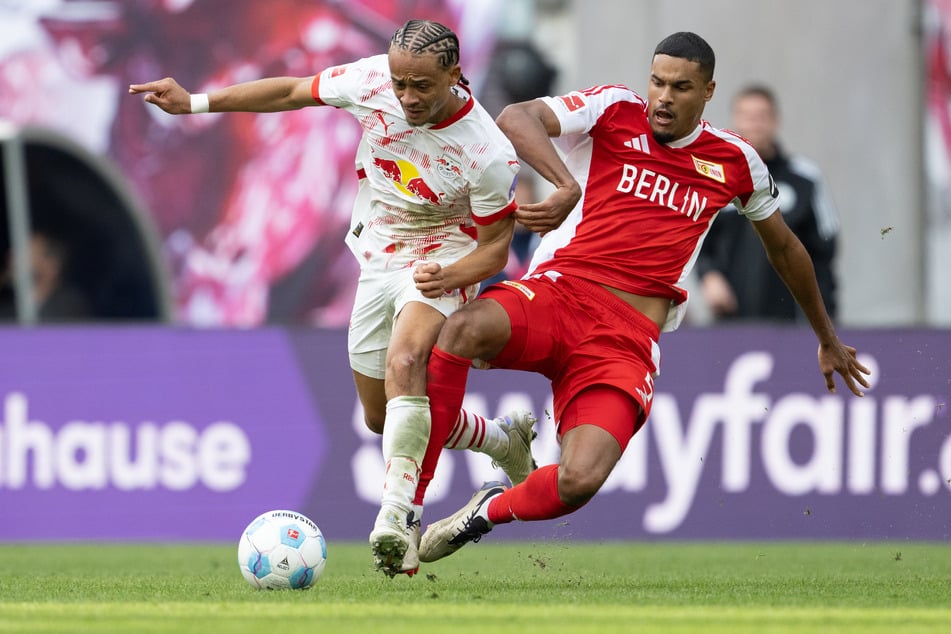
(535, 499)
(446, 387)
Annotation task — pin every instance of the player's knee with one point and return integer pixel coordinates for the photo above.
(463, 334)
(450, 335)
(374, 422)
(577, 486)
(403, 370)
(402, 363)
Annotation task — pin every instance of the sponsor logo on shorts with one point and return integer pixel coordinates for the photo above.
(527, 292)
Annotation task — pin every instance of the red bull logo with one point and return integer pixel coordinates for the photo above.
(419, 187)
(406, 177)
(390, 168)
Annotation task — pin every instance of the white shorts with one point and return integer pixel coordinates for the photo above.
(381, 295)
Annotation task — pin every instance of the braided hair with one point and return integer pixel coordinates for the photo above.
(420, 37)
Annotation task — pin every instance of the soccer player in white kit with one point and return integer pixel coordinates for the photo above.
(437, 183)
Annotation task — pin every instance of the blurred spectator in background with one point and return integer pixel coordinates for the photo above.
(736, 280)
(57, 297)
(90, 252)
(518, 72)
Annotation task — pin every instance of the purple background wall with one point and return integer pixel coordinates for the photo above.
(156, 433)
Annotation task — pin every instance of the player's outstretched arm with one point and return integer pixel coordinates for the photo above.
(791, 261)
(273, 94)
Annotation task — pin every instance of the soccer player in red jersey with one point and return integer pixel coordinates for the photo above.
(640, 184)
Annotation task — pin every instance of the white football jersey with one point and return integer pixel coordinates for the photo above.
(423, 188)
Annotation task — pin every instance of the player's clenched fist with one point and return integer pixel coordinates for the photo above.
(166, 94)
(429, 279)
(548, 214)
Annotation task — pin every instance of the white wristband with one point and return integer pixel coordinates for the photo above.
(199, 102)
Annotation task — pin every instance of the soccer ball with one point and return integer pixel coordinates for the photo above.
(282, 549)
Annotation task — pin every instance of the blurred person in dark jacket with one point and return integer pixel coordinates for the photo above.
(736, 279)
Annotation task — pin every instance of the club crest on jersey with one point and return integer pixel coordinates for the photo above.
(710, 170)
(448, 168)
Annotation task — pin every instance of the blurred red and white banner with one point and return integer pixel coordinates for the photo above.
(251, 209)
(937, 148)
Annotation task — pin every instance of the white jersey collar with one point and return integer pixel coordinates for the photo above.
(687, 140)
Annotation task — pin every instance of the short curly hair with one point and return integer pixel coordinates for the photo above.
(689, 46)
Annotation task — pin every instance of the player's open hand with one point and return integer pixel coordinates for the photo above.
(429, 279)
(841, 358)
(550, 213)
(166, 94)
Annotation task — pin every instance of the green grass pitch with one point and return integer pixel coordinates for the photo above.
(502, 587)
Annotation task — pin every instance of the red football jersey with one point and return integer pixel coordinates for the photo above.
(646, 205)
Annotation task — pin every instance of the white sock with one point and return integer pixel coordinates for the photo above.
(477, 433)
(405, 436)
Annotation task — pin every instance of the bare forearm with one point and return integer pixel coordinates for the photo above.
(273, 94)
(795, 268)
(481, 264)
(525, 126)
(530, 126)
(791, 261)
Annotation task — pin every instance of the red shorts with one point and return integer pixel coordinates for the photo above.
(578, 334)
(606, 407)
